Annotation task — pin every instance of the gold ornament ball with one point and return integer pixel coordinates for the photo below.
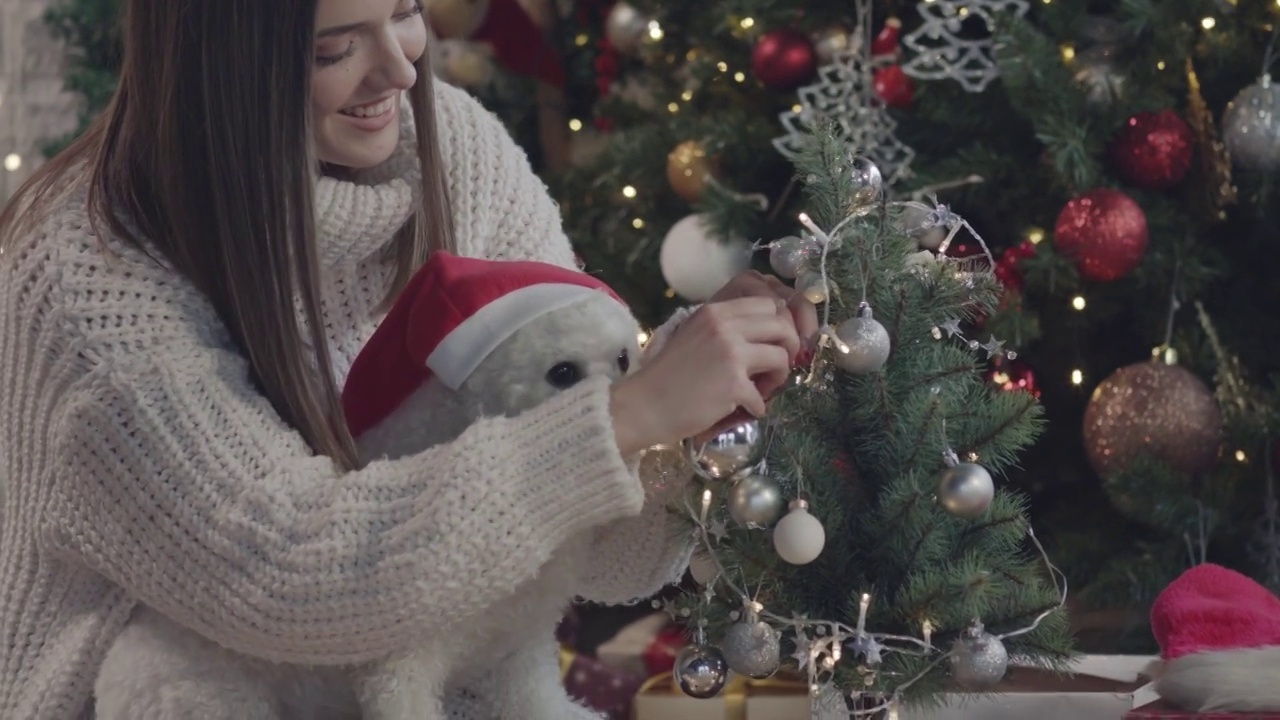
(689, 169)
(831, 41)
(456, 19)
(1153, 409)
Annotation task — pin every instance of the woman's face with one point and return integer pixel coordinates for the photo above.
(364, 55)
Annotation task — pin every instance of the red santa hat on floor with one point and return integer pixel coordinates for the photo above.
(1219, 635)
(450, 316)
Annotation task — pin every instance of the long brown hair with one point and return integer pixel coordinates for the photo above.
(205, 155)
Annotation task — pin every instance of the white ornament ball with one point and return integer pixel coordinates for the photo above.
(1251, 126)
(695, 264)
(799, 536)
(456, 18)
(464, 63)
(626, 28)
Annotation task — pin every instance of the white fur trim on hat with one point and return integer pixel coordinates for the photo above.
(466, 346)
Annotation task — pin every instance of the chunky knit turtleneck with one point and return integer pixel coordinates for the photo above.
(143, 467)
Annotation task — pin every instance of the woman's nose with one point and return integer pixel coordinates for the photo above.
(395, 69)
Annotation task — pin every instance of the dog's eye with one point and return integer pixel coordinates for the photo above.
(564, 375)
(624, 361)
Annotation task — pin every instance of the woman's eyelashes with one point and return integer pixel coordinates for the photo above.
(326, 59)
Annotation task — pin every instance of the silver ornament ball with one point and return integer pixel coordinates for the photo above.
(700, 671)
(731, 452)
(752, 649)
(867, 344)
(626, 28)
(1251, 126)
(966, 490)
(978, 660)
(799, 537)
(756, 501)
(917, 222)
(864, 177)
(790, 255)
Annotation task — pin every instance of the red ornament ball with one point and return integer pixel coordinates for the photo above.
(783, 59)
(1007, 270)
(1013, 376)
(1104, 232)
(894, 87)
(1153, 150)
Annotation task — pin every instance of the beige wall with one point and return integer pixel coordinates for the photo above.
(33, 106)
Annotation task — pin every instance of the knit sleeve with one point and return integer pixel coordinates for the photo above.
(636, 557)
(178, 482)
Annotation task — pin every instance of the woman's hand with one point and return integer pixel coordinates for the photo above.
(732, 353)
(803, 314)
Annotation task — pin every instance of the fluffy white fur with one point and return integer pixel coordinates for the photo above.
(1243, 680)
(501, 661)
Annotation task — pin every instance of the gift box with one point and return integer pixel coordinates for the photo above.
(1160, 710)
(647, 646)
(598, 685)
(1101, 687)
(776, 698)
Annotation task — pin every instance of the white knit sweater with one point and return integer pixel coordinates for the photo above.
(142, 467)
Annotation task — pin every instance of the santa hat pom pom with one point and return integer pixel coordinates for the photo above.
(1219, 634)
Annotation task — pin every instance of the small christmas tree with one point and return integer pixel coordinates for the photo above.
(900, 561)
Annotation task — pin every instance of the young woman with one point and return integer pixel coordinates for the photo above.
(181, 295)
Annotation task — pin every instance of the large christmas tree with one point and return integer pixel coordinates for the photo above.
(1129, 202)
(1119, 157)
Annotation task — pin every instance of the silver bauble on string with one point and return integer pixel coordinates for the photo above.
(799, 537)
(966, 490)
(978, 660)
(700, 671)
(756, 501)
(751, 648)
(792, 254)
(626, 28)
(918, 223)
(734, 450)
(867, 184)
(866, 343)
(1251, 126)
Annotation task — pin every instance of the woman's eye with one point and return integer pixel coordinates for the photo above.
(414, 9)
(324, 59)
(564, 375)
(624, 361)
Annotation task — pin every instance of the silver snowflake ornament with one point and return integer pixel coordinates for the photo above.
(940, 53)
(844, 94)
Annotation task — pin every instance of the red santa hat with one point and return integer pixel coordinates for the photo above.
(1219, 636)
(450, 316)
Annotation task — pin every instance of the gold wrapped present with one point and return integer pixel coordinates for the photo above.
(775, 698)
